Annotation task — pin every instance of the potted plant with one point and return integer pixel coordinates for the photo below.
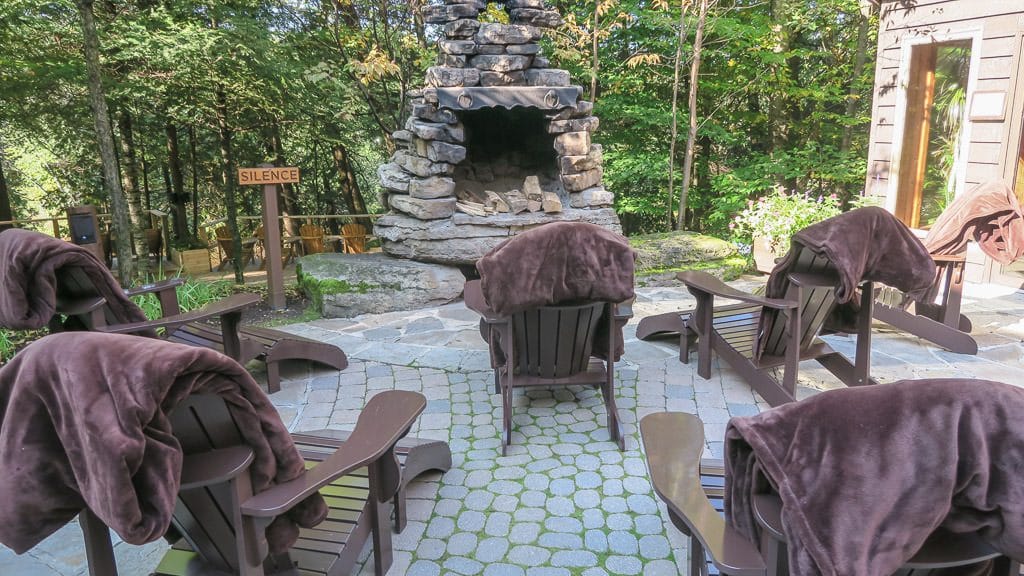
(191, 256)
(769, 222)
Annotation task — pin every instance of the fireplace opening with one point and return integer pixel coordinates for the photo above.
(503, 148)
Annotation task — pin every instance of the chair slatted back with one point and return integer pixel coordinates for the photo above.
(312, 238)
(204, 516)
(815, 305)
(354, 238)
(225, 242)
(556, 341)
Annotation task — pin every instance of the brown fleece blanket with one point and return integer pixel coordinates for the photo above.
(990, 214)
(32, 266)
(82, 427)
(866, 474)
(558, 263)
(867, 244)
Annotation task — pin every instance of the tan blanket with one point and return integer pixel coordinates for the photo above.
(990, 214)
(84, 423)
(866, 474)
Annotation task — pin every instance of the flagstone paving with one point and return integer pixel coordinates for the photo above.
(564, 501)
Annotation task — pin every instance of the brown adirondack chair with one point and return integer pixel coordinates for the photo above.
(243, 343)
(552, 346)
(287, 248)
(228, 248)
(544, 296)
(87, 297)
(312, 239)
(692, 489)
(766, 333)
(827, 264)
(219, 524)
(353, 238)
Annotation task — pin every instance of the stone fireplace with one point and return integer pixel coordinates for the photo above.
(496, 143)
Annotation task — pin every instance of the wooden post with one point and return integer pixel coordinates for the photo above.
(270, 176)
(272, 247)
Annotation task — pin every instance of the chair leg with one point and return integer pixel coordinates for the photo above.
(98, 550)
(698, 563)
(273, 377)
(380, 533)
(703, 320)
(506, 415)
(401, 517)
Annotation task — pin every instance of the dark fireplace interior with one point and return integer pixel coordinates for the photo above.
(503, 148)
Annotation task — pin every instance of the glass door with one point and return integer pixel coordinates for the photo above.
(936, 98)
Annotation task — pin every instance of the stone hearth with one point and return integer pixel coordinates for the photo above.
(496, 143)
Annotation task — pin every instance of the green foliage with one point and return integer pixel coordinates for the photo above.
(192, 295)
(773, 97)
(777, 216)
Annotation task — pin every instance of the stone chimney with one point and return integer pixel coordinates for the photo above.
(497, 142)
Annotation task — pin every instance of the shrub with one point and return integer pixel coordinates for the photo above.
(777, 216)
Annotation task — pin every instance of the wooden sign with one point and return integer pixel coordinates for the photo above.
(268, 175)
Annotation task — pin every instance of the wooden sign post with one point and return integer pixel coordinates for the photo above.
(270, 177)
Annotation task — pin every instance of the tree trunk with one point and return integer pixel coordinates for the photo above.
(778, 104)
(417, 22)
(859, 61)
(595, 64)
(675, 113)
(105, 141)
(698, 44)
(146, 196)
(195, 180)
(176, 193)
(349, 184)
(130, 185)
(287, 198)
(6, 213)
(228, 179)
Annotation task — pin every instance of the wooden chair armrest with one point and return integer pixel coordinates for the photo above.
(474, 298)
(80, 306)
(386, 418)
(708, 284)
(674, 442)
(215, 466)
(234, 303)
(155, 287)
(813, 280)
(949, 258)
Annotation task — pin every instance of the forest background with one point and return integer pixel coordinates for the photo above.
(194, 89)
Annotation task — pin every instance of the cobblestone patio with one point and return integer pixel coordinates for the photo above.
(565, 500)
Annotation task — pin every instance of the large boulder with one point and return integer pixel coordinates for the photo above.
(660, 256)
(347, 285)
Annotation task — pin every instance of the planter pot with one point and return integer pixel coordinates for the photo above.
(764, 256)
(195, 261)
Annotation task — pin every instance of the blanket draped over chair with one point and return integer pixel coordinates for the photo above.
(31, 263)
(866, 474)
(84, 423)
(867, 244)
(990, 215)
(559, 263)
